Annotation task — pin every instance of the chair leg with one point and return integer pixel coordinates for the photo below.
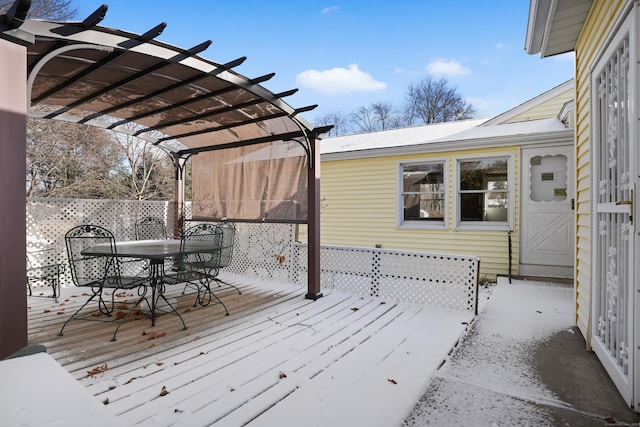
(198, 299)
(161, 295)
(213, 295)
(125, 318)
(222, 282)
(102, 305)
(55, 285)
(73, 316)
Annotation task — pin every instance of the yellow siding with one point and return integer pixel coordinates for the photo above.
(597, 28)
(359, 208)
(545, 110)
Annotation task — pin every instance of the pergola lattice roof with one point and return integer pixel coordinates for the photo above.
(81, 72)
(131, 83)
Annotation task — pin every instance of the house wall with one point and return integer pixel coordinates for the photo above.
(600, 23)
(549, 108)
(359, 208)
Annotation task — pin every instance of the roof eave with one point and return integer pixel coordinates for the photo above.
(553, 26)
(555, 137)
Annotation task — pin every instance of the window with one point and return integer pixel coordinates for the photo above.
(484, 190)
(423, 197)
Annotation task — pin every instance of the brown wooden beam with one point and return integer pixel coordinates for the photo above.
(13, 265)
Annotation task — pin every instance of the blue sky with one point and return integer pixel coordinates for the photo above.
(346, 54)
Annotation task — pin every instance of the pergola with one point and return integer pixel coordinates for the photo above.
(253, 157)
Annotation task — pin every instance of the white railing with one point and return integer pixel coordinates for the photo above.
(270, 251)
(449, 281)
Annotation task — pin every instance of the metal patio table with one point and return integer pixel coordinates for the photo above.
(156, 251)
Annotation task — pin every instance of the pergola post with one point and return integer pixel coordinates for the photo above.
(13, 118)
(313, 200)
(179, 195)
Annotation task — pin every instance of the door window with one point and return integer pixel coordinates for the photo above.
(548, 178)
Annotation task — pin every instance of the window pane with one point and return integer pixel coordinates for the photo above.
(497, 199)
(423, 192)
(424, 207)
(472, 206)
(484, 186)
(416, 177)
(483, 174)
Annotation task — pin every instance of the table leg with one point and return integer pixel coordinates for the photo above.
(156, 271)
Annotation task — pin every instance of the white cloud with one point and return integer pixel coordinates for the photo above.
(499, 45)
(446, 67)
(340, 80)
(482, 106)
(329, 9)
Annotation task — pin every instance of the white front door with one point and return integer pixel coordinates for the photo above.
(547, 215)
(614, 177)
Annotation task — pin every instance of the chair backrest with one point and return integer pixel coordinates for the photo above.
(89, 270)
(207, 259)
(42, 262)
(150, 228)
(228, 239)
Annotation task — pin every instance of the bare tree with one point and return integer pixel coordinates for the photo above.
(339, 122)
(55, 10)
(431, 101)
(363, 120)
(146, 170)
(378, 116)
(69, 160)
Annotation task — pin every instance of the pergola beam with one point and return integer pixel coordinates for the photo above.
(167, 89)
(219, 128)
(89, 22)
(149, 35)
(270, 138)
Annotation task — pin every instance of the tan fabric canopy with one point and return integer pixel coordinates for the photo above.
(187, 105)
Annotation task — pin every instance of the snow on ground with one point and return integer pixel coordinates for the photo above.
(489, 380)
(36, 391)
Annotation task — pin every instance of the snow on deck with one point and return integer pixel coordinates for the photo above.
(277, 359)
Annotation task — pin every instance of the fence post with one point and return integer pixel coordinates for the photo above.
(375, 273)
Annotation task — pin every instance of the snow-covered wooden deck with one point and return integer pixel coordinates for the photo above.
(277, 359)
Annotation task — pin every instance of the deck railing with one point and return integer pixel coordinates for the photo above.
(271, 251)
(449, 281)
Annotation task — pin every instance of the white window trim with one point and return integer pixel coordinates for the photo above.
(487, 225)
(422, 225)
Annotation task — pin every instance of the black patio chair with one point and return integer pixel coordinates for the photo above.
(226, 253)
(199, 267)
(150, 228)
(98, 273)
(43, 267)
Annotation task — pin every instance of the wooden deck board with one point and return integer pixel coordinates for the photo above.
(277, 359)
